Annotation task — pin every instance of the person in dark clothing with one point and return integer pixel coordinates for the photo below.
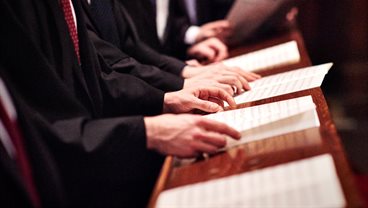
(109, 25)
(103, 127)
(178, 36)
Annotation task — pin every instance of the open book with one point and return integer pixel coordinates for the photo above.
(285, 83)
(268, 58)
(268, 120)
(311, 182)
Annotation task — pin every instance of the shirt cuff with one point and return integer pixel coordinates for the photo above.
(191, 35)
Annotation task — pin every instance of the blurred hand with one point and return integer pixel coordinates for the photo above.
(220, 29)
(209, 51)
(193, 62)
(292, 14)
(197, 98)
(186, 135)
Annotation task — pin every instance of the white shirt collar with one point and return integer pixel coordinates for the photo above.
(7, 102)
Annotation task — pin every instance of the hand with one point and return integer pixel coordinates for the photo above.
(193, 62)
(218, 68)
(197, 98)
(232, 76)
(220, 29)
(249, 76)
(186, 135)
(292, 14)
(206, 82)
(209, 51)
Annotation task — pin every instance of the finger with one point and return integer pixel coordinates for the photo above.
(225, 87)
(208, 82)
(219, 127)
(222, 54)
(205, 33)
(245, 83)
(232, 80)
(193, 62)
(206, 53)
(247, 75)
(220, 48)
(212, 138)
(217, 101)
(226, 32)
(210, 33)
(255, 74)
(220, 24)
(201, 147)
(206, 106)
(222, 95)
(251, 76)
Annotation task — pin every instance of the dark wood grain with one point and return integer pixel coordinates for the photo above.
(270, 151)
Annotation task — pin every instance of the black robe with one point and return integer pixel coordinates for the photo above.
(144, 18)
(101, 144)
(118, 29)
(167, 79)
(142, 13)
(45, 171)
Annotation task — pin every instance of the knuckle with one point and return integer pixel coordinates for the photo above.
(234, 79)
(228, 88)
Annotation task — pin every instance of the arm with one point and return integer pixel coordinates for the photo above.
(138, 49)
(123, 63)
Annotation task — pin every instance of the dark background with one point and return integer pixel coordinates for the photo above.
(337, 31)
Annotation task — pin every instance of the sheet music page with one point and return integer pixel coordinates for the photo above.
(268, 120)
(246, 16)
(289, 76)
(279, 55)
(284, 83)
(311, 182)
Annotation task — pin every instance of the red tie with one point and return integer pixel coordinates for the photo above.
(68, 15)
(14, 132)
